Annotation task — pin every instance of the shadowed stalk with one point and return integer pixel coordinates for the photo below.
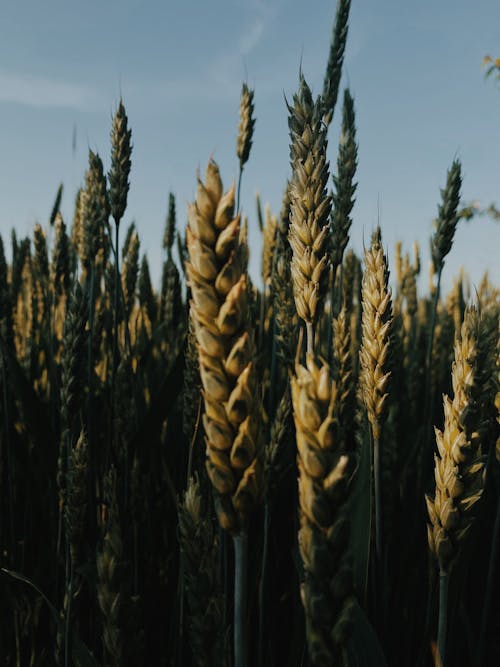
(493, 561)
(263, 584)
(378, 499)
(444, 580)
(240, 543)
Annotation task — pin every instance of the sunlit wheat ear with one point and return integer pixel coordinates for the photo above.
(325, 469)
(335, 59)
(376, 335)
(216, 273)
(310, 204)
(459, 465)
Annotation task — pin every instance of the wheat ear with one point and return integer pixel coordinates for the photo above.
(324, 474)
(374, 359)
(217, 277)
(310, 206)
(459, 465)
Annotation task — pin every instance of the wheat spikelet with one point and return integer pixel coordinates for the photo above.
(76, 505)
(345, 188)
(94, 246)
(268, 244)
(458, 464)
(376, 333)
(60, 269)
(147, 297)
(279, 429)
(108, 585)
(246, 125)
(335, 59)
(169, 235)
(130, 270)
(281, 289)
(343, 374)
(57, 204)
(447, 217)
(220, 293)
(121, 150)
(199, 548)
(310, 203)
(324, 473)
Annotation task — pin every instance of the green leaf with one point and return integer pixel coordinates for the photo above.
(363, 647)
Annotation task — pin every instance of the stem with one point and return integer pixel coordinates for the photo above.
(115, 305)
(240, 597)
(263, 587)
(378, 501)
(310, 338)
(68, 618)
(489, 587)
(443, 614)
(238, 191)
(8, 457)
(427, 389)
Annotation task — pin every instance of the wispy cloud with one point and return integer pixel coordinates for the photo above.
(221, 74)
(42, 92)
(250, 39)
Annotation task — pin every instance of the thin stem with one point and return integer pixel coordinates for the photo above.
(238, 190)
(443, 614)
(263, 587)
(378, 501)
(67, 631)
(310, 338)
(489, 587)
(427, 391)
(240, 597)
(115, 304)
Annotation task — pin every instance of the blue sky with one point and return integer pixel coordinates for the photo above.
(414, 69)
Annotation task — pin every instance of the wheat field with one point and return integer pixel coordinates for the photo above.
(295, 468)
